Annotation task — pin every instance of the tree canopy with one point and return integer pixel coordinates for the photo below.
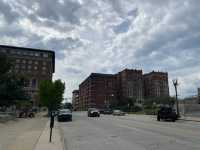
(51, 93)
(149, 102)
(11, 85)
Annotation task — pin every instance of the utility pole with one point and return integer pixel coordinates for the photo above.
(175, 83)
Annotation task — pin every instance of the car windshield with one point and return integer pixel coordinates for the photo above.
(64, 111)
(117, 111)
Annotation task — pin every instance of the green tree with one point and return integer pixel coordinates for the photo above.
(125, 104)
(5, 65)
(11, 85)
(51, 93)
(159, 100)
(151, 104)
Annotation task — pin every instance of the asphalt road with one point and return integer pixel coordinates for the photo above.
(131, 132)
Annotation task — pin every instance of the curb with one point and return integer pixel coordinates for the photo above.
(57, 142)
(62, 137)
(189, 120)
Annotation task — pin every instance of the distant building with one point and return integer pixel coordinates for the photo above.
(199, 95)
(33, 64)
(130, 84)
(101, 90)
(75, 100)
(98, 90)
(156, 84)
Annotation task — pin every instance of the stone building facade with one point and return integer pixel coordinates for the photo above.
(100, 90)
(156, 84)
(130, 84)
(75, 100)
(33, 64)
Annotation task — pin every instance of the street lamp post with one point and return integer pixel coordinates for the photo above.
(154, 108)
(175, 83)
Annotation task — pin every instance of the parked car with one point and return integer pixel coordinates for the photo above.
(118, 113)
(26, 113)
(64, 115)
(167, 113)
(93, 112)
(107, 111)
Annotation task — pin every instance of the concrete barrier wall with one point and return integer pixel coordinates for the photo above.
(4, 117)
(189, 108)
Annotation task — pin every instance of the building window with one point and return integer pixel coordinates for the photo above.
(24, 61)
(13, 52)
(30, 61)
(17, 60)
(18, 52)
(29, 66)
(44, 68)
(23, 66)
(35, 67)
(45, 55)
(24, 53)
(3, 50)
(36, 54)
(44, 63)
(36, 62)
(33, 83)
(31, 54)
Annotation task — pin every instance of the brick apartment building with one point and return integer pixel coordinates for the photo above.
(100, 90)
(156, 84)
(33, 64)
(75, 100)
(130, 84)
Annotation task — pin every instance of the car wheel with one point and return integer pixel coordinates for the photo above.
(158, 118)
(173, 120)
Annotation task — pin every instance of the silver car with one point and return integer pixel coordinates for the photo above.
(118, 113)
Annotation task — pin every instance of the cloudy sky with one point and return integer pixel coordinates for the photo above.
(109, 35)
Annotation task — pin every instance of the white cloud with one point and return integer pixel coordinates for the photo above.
(108, 35)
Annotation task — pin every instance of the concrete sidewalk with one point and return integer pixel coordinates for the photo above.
(190, 118)
(21, 134)
(43, 141)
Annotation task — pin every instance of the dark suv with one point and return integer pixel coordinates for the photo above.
(167, 113)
